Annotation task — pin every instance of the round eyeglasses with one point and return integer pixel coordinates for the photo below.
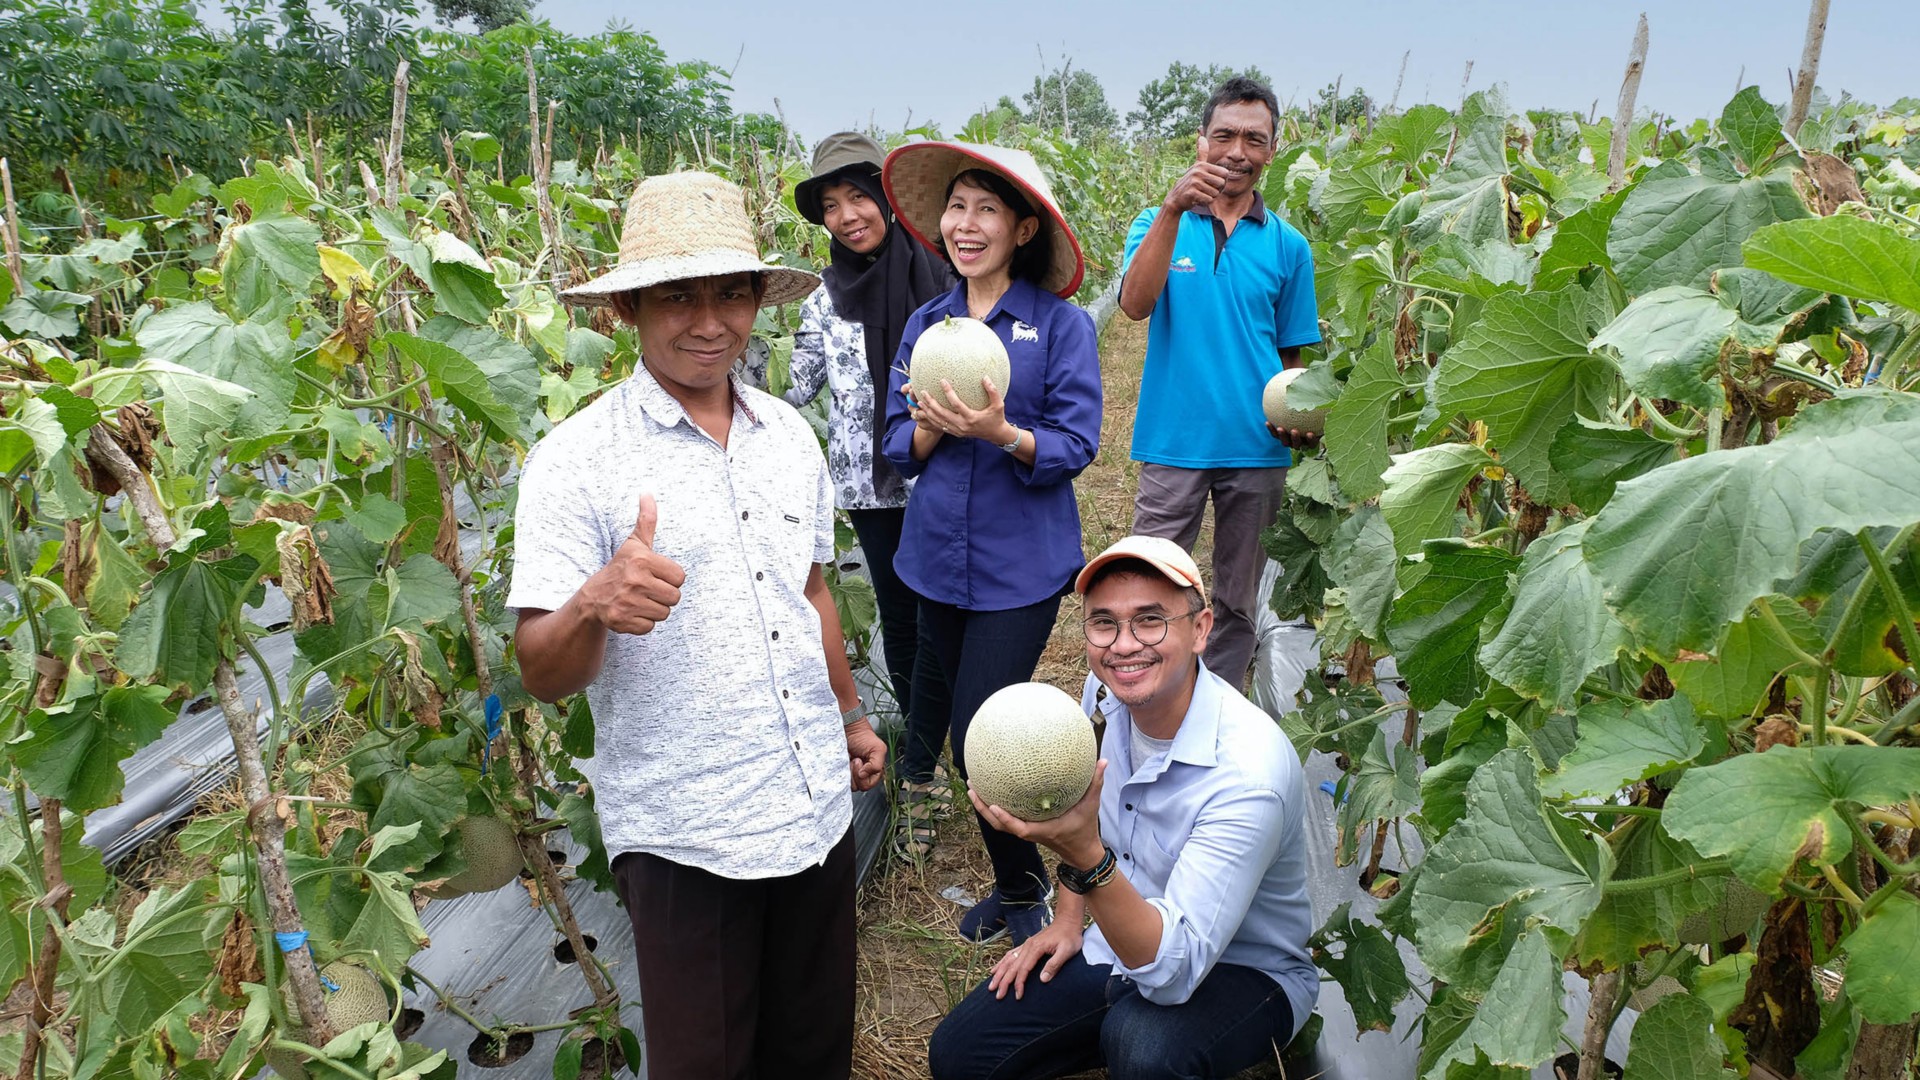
(1104, 630)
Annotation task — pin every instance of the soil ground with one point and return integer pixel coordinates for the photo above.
(912, 966)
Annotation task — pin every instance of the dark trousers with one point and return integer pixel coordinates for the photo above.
(743, 979)
(925, 729)
(1086, 1018)
(1170, 504)
(983, 651)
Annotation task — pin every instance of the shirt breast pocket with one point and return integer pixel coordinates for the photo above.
(1158, 852)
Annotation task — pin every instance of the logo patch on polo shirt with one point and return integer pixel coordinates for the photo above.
(1023, 332)
(1184, 264)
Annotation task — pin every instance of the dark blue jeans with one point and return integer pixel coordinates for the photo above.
(980, 652)
(1086, 1018)
(919, 687)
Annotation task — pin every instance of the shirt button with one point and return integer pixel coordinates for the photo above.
(743, 515)
(783, 693)
(759, 576)
(776, 635)
(1129, 805)
(796, 744)
(1128, 856)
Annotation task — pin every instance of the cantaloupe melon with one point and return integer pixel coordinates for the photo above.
(962, 351)
(1274, 404)
(492, 854)
(360, 998)
(1030, 751)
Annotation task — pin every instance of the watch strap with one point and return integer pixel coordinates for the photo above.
(1082, 882)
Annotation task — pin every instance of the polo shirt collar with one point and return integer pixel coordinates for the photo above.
(665, 409)
(1256, 210)
(1021, 300)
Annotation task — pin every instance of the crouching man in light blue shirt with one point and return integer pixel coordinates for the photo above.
(1187, 852)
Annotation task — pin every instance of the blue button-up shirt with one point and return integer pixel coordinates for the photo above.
(985, 531)
(1210, 833)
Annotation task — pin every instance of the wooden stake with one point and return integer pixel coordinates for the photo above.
(543, 171)
(319, 163)
(12, 230)
(1397, 82)
(1809, 66)
(1623, 116)
(1606, 987)
(47, 964)
(397, 134)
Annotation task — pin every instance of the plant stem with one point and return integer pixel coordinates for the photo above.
(1708, 868)
(1839, 886)
(47, 964)
(1902, 617)
(1600, 1013)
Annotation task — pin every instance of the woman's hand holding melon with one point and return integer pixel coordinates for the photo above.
(944, 412)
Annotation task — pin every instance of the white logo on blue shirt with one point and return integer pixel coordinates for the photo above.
(1023, 332)
(1184, 262)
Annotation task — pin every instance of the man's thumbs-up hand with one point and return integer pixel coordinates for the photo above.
(639, 587)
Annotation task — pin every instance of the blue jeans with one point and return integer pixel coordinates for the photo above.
(1087, 1017)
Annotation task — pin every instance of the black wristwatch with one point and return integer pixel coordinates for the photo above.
(1082, 882)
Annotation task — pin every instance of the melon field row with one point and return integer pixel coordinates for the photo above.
(1623, 476)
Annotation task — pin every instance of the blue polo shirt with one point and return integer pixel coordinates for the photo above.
(1215, 336)
(984, 531)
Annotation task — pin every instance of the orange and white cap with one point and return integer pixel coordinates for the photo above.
(1163, 555)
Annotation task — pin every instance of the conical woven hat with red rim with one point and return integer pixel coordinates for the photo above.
(686, 225)
(916, 177)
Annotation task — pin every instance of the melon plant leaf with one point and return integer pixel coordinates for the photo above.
(458, 378)
(583, 825)
(1751, 127)
(1883, 962)
(1368, 968)
(1684, 549)
(1364, 563)
(1518, 1022)
(44, 313)
(434, 796)
(1443, 786)
(512, 372)
(1626, 924)
(1359, 195)
(1381, 786)
(1595, 458)
(1669, 343)
(73, 750)
(1435, 627)
(1580, 239)
(166, 955)
(1623, 743)
(1859, 631)
(1800, 792)
(1558, 630)
(1504, 852)
(76, 413)
(1356, 436)
(1525, 368)
(462, 281)
(392, 836)
(174, 635)
(419, 591)
(1422, 492)
(1841, 254)
(194, 406)
(387, 924)
(1679, 230)
(1731, 683)
(1674, 1040)
(270, 261)
(252, 356)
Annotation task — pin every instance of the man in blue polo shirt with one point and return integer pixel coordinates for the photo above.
(1229, 289)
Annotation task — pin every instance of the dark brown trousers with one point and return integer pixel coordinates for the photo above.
(743, 979)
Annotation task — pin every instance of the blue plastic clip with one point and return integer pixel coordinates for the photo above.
(494, 726)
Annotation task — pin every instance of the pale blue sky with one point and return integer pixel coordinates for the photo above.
(835, 65)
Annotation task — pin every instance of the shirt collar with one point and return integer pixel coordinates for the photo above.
(665, 409)
(1197, 741)
(1256, 210)
(1021, 300)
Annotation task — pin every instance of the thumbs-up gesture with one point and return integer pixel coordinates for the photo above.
(637, 589)
(1198, 186)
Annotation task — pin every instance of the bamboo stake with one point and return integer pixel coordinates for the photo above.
(1593, 1042)
(1809, 66)
(543, 171)
(397, 134)
(269, 831)
(47, 964)
(535, 855)
(319, 163)
(12, 231)
(1404, 57)
(1623, 116)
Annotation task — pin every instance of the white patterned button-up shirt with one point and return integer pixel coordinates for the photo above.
(718, 742)
(827, 348)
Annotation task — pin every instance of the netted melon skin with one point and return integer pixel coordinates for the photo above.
(1030, 751)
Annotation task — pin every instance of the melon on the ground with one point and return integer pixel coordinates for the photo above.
(962, 351)
(1030, 751)
(360, 998)
(1274, 404)
(492, 853)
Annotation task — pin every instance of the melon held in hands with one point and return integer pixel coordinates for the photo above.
(962, 351)
(1030, 751)
(1274, 404)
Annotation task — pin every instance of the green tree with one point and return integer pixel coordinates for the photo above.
(1354, 108)
(1069, 101)
(1170, 106)
(488, 15)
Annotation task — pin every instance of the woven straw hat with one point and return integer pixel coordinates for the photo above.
(916, 177)
(688, 225)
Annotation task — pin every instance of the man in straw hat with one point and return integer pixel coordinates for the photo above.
(1192, 864)
(1229, 289)
(670, 537)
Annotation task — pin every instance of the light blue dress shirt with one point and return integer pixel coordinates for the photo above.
(1210, 833)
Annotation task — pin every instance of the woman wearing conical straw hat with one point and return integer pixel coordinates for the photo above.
(849, 331)
(992, 538)
(670, 538)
